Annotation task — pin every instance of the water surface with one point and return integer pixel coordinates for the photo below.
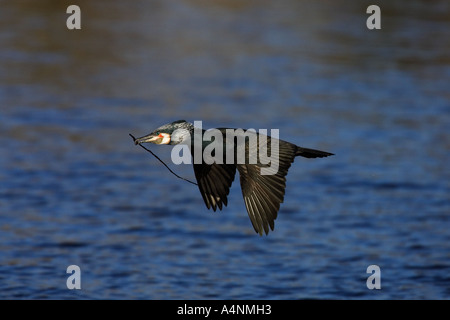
(75, 190)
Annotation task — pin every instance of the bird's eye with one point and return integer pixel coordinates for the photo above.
(161, 135)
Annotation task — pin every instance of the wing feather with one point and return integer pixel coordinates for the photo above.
(214, 182)
(263, 194)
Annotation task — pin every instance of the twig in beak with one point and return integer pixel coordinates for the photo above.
(134, 140)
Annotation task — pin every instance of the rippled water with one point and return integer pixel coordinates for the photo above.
(75, 190)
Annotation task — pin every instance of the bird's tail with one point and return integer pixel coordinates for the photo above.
(311, 153)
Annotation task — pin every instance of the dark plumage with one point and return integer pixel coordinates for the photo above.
(262, 194)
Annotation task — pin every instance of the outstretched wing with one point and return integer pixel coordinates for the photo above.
(263, 194)
(214, 182)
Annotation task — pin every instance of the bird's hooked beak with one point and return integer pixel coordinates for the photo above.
(156, 138)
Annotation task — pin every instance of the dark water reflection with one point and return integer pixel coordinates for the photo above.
(76, 191)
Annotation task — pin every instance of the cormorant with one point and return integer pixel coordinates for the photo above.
(262, 193)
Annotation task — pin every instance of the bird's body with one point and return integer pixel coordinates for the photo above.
(262, 182)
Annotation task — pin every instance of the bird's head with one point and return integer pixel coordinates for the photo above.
(171, 133)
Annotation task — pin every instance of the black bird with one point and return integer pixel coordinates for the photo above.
(262, 194)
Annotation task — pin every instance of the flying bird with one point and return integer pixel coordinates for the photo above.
(262, 193)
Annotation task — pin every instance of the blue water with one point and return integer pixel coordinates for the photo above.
(76, 191)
